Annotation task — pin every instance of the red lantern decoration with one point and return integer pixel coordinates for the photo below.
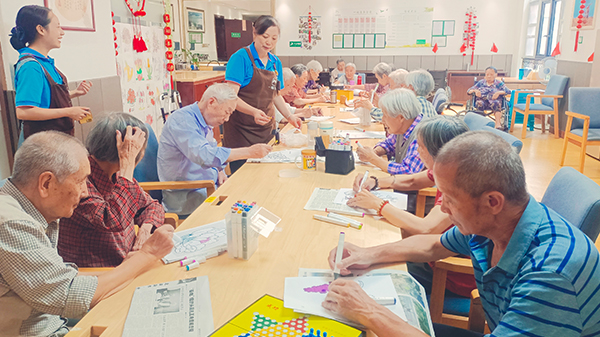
(166, 18)
(170, 66)
(167, 30)
(168, 43)
(169, 55)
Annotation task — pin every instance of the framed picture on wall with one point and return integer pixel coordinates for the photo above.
(195, 20)
(74, 14)
(588, 14)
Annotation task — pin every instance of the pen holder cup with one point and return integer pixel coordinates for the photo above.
(339, 162)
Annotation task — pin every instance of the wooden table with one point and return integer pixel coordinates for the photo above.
(303, 242)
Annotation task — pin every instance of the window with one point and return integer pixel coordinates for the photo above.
(534, 8)
(548, 27)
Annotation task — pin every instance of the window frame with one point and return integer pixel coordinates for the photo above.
(540, 23)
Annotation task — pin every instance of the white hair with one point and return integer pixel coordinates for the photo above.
(399, 76)
(314, 65)
(299, 69)
(400, 102)
(382, 69)
(48, 151)
(351, 65)
(222, 92)
(288, 74)
(421, 81)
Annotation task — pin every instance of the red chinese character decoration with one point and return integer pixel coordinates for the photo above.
(469, 33)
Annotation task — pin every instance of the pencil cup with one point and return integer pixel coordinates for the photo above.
(309, 160)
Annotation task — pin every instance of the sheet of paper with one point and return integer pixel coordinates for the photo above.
(285, 156)
(355, 134)
(207, 240)
(322, 198)
(437, 28)
(306, 294)
(396, 199)
(177, 308)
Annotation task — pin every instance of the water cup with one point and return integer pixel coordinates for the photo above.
(326, 129)
(308, 159)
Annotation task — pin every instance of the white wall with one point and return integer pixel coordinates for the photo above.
(499, 23)
(83, 55)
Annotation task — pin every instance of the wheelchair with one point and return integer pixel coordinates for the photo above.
(470, 107)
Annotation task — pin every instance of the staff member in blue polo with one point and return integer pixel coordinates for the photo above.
(257, 76)
(43, 98)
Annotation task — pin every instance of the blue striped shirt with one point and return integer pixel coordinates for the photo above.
(547, 282)
(427, 109)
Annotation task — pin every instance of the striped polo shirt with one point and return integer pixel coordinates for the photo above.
(547, 282)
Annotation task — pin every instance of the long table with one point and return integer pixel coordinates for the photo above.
(301, 243)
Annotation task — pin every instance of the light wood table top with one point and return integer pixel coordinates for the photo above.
(301, 243)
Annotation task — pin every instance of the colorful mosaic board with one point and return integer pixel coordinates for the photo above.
(268, 318)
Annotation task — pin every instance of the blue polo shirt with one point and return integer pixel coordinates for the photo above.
(239, 67)
(31, 84)
(546, 283)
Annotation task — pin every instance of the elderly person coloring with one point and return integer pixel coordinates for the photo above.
(289, 78)
(296, 96)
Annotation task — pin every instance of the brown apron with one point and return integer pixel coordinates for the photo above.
(59, 98)
(241, 130)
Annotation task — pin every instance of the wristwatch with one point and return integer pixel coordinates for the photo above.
(376, 183)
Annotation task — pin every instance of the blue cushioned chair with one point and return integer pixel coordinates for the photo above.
(584, 130)
(2, 182)
(515, 142)
(571, 194)
(549, 106)
(146, 173)
(477, 122)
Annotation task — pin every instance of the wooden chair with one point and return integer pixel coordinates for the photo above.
(585, 129)
(548, 106)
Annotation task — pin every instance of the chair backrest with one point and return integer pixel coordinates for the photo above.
(439, 98)
(515, 142)
(147, 169)
(477, 122)
(576, 198)
(556, 86)
(585, 101)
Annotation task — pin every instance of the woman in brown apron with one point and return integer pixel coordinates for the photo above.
(257, 75)
(43, 98)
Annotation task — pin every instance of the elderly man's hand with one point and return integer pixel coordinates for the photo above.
(368, 185)
(259, 150)
(143, 235)
(128, 148)
(366, 154)
(365, 199)
(354, 257)
(364, 94)
(222, 178)
(160, 243)
(347, 298)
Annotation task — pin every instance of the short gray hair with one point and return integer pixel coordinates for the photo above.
(421, 81)
(399, 76)
(288, 74)
(48, 151)
(485, 162)
(102, 141)
(222, 92)
(299, 69)
(436, 131)
(339, 61)
(314, 65)
(381, 69)
(351, 65)
(400, 102)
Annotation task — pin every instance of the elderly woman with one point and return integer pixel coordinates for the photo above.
(401, 114)
(421, 82)
(101, 232)
(338, 72)
(397, 80)
(432, 134)
(289, 78)
(349, 77)
(296, 97)
(314, 69)
(372, 90)
(487, 94)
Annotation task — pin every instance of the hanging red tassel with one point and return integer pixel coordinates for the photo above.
(494, 48)
(556, 50)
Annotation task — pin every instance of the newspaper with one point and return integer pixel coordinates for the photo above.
(411, 294)
(177, 308)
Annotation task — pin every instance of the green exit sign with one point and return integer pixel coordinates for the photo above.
(237, 35)
(296, 44)
(421, 41)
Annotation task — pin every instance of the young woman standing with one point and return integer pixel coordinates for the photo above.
(43, 98)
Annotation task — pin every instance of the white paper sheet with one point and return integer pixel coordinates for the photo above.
(355, 134)
(396, 199)
(322, 198)
(208, 240)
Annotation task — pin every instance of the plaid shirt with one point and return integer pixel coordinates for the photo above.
(427, 109)
(412, 162)
(101, 231)
(36, 286)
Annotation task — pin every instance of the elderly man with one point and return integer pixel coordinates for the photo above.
(101, 231)
(396, 80)
(338, 72)
(421, 82)
(296, 96)
(38, 289)
(288, 81)
(349, 77)
(531, 280)
(188, 151)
